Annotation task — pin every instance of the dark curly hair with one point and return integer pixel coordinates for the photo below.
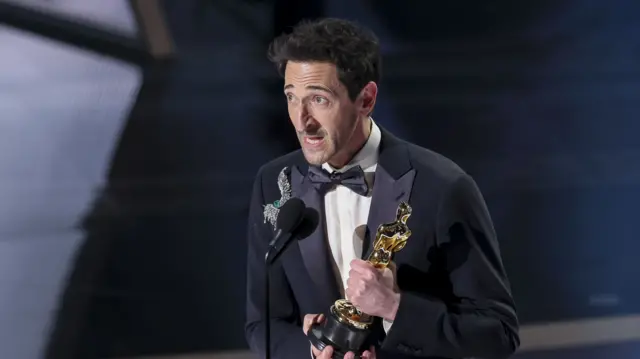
(355, 50)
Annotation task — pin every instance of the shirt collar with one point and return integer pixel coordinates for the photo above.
(367, 157)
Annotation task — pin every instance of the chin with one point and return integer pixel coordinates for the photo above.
(314, 158)
(314, 161)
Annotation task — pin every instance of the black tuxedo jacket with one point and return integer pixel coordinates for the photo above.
(455, 295)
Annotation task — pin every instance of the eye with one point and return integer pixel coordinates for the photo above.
(289, 97)
(319, 100)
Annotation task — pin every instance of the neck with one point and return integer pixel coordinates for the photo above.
(358, 139)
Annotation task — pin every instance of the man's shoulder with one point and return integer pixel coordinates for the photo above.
(273, 168)
(433, 164)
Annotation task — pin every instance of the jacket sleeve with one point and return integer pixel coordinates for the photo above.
(287, 338)
(479, 320)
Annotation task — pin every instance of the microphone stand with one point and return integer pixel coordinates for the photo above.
(289, 218)
(267, 304)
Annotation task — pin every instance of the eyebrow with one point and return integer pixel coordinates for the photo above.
(312, 87)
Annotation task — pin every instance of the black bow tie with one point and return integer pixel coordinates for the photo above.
(352, 179)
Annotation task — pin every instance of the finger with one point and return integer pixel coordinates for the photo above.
(359, 265)
(354, 282)
(369, 354)
(365, 271)
(394, 270)
(350, 355)
(350, 293)
(359, 282)
(389, 272)
(326, 353)
(309, 320)
(353, 274)
(306, 323)
(388, 278)
(315, 351)
(391, 283)
(355, 291)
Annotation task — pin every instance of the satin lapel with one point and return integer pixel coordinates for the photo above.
(314, 249)
(387, 195)
(392, 184)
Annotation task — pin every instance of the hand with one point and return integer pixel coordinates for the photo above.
(309, 320)
(372, 290)
(327, 352)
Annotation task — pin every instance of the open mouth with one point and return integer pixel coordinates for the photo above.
(313, 140)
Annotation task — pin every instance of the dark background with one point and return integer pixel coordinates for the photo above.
(146, 210)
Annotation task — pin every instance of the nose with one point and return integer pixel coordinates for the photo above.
(302, 117)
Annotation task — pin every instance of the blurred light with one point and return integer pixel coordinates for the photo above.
(63, 110)
(113, 15)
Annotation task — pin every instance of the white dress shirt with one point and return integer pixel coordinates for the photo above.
(347, 212)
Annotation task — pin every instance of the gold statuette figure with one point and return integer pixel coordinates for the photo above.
(390, 238)
(346, 328)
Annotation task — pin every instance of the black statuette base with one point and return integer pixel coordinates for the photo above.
(342, 337)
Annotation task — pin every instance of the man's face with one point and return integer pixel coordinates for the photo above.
(320, 109)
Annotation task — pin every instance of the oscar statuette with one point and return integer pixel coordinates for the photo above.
(346, 328)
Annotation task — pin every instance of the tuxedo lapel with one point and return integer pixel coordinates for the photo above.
(314, 249)
(393, 182)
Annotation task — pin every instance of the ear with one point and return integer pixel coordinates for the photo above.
(367, 98)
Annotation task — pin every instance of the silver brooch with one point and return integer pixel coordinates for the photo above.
(271, 210)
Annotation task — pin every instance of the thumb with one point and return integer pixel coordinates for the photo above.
(394, 275)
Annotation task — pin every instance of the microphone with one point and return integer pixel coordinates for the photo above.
(289, 219)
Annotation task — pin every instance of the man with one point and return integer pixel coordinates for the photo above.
(447, 295)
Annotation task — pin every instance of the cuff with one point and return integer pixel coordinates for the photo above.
(386, 325)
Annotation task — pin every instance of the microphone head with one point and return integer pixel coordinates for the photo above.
(291, 214)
